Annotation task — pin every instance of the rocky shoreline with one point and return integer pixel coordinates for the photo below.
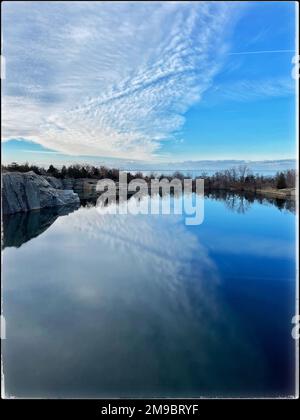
(22, 192)
(25, 191)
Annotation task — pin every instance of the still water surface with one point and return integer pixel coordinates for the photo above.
(125, 305)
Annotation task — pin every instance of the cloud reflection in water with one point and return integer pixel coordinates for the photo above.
(121, 305)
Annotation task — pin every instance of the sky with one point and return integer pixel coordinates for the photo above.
(148, 81)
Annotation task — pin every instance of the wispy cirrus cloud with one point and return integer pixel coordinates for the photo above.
(251, 90)
(108, 79)
(260, 52)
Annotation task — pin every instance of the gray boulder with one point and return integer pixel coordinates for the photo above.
(68, 183)
(29, 191)
(55, 182)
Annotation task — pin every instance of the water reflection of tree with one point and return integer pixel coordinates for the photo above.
(237, 203)
(21, 227)
(241, 202)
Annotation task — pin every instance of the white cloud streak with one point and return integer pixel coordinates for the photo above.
(261, 52)
(251, 90)
(108, 79)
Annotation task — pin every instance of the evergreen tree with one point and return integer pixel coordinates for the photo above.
(64, 172)
(52, 171)
(281, 182)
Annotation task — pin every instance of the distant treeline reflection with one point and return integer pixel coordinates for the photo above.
(240, 202)
(21, 227)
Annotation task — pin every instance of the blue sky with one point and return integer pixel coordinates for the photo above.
(155, 82)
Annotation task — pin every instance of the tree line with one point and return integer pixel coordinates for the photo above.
(240, 177)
